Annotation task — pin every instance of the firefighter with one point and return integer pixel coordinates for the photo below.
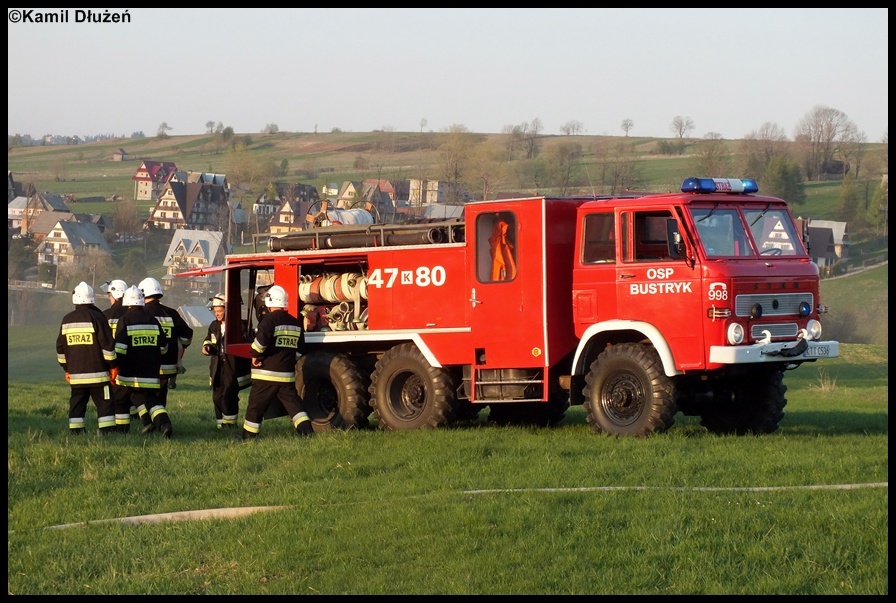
(85, 349)
(278, 345)
(141, 345)
(179, 333)
(121, 396)
(228, 374)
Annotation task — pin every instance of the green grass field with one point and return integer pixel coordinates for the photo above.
(477, 509)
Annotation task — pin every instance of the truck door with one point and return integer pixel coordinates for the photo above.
(656, 285)
(505, 289)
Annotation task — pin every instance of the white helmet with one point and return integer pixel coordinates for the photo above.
(116, 288)
(276, 297)
(150, 287)
(83, 294)
(216, 301)
(133, 297)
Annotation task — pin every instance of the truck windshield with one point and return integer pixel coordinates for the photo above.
(774, 231)
(721, 232)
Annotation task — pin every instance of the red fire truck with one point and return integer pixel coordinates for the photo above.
(635, 307)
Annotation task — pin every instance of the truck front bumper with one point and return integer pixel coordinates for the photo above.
(774, 352)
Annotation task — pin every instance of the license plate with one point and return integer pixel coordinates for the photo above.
(819, 351)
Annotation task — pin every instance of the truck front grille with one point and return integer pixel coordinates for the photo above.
(788, 330)
(773, 304)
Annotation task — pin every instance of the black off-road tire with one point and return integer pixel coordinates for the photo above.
(334, 391)
(409, 393)
(627, 393)
(750, 405)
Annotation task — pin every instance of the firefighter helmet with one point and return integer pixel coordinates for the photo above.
(83, 294)
(116, 288)
(276, 297)
(216, 301)
(133, 297)
(150, 287)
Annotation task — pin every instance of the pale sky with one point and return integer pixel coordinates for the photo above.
(306, 69)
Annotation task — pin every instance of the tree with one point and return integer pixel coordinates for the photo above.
(210, 127)
(761, 146)
(271, 128)
(514, 140)
(485, 169)
(852, 148)
(681, 126)
(713, 156)
(125, 219)
(162, 132)
(562, 164)
(454, 158)
(423, 123)
(572, 128)
(848, 204)
(783, 179)
(627, 125)
(878, 212)
(818, 136)
(530, 137)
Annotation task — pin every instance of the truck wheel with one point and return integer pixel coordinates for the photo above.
(628, 394)
(544, 414)
(752, 404)
(408, 393)
(333, 390)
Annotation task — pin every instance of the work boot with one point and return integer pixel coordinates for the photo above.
(248, 435)
(304, 429)
(166, 430)
(77, 432)
(147, 428)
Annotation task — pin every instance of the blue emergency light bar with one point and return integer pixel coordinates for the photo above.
(719, 185)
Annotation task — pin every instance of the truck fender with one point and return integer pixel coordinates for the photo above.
(579, 367)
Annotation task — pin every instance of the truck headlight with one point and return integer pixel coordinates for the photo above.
(813, 330)
(735, 333)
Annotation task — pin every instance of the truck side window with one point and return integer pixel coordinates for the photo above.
(496, 253)
(599, 241)
(652, 236)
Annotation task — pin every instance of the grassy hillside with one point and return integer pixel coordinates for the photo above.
(88, 170)
(859, 305)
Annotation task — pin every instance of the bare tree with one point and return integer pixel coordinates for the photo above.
(713, 156)
(617, 167)
(514, 140)
(531, 132)
(125, 218)
(681, 126)
(423, 123)
(210, 127)
(572, 128)
(162, 132)
(819, 136)
(563, 163)
(627, 125)
(454, 158)
(485, 169)
(271, 128)
(852, 148)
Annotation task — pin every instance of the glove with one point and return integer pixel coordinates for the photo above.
(68, 377)
(181, 369)
(113, 375)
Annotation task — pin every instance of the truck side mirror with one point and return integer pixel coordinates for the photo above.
(674, 240)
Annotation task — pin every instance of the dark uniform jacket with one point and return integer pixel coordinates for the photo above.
(85, 347)
(113, 313)
(176, 330)
(279, 342)
(224, 366)
(140, 343)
